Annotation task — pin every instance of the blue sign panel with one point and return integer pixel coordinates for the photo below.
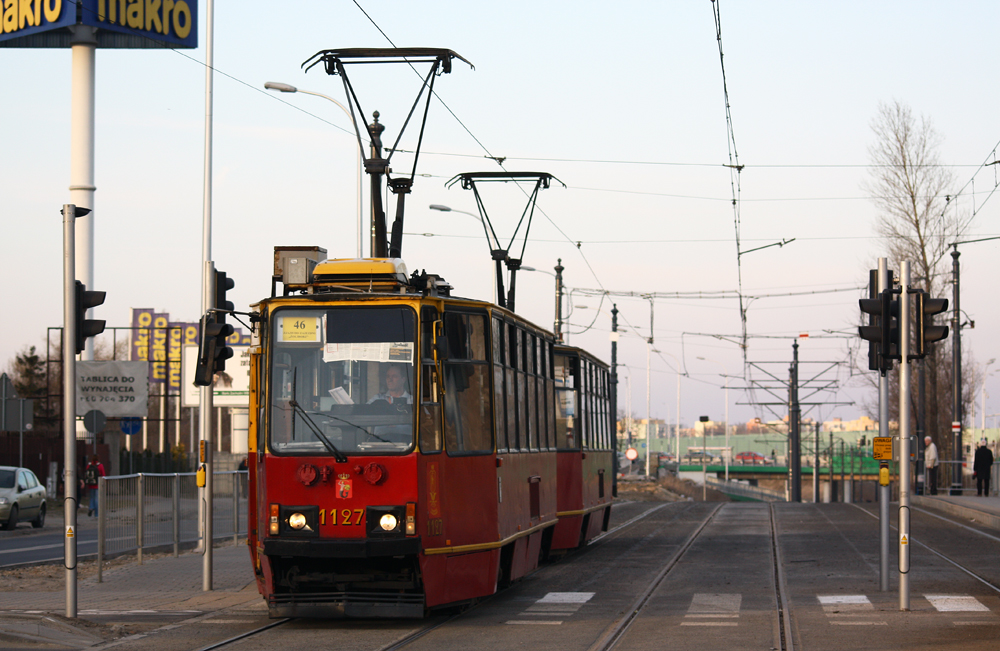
(169, 21)
(35, 16)
(119, 23)
(131, 425)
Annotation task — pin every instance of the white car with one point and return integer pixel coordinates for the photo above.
(22, 498)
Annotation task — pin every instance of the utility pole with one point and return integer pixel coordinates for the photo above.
(956, 374)
(614, 394)
(559, 301)
(794, 416)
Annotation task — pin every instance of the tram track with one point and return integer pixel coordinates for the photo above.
(992, 584)
(412, 637)
(784, 637)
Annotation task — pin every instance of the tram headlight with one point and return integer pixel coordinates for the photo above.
(296, 521)
(388, 522)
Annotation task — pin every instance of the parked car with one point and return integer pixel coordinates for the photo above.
(22, 498)
(698, 456)
(751, 458)
(665, 457)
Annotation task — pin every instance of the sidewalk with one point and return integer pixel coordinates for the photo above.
(984, 510)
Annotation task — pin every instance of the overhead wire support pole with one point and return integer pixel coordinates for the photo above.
(884, 283)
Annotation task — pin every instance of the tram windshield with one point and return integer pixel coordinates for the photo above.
(342, 380)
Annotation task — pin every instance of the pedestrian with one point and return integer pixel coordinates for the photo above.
(931, 464)
(93, 472)
(982, 467)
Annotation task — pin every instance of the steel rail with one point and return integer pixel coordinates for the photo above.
(972, 573)
(785, 640)
(612, 637)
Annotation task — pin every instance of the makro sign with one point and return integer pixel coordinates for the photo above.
(145, 23)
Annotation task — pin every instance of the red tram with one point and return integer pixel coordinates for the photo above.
(411, 450)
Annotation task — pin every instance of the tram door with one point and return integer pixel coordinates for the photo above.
(468, 481)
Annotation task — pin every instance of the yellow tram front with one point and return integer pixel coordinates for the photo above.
(351, 394)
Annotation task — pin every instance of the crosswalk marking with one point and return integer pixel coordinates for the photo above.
(845, 603)
(554, 603)
(713, 606)
(955, 603)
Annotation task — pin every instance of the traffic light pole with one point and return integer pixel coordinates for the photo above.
(904, 436)
(205, 426)
(69, 403)
(884, 492)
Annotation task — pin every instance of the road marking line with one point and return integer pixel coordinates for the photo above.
(835, 604)
(835, 623)
(566, 598)
(715, 604)
(955, 603)
(708, 624)
(542, 622)
(714, 616)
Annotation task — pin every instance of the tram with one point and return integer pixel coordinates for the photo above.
(409, 449)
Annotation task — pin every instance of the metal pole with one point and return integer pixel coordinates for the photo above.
(677, 425)
(102, 526)
(904, 437)
(649, 418)
(559, 301)
(727, 451)
(614, 395)
(81, 173)
(956, 374)
(816, 467)
(884, 492)
(207, 300)
(140, 509)
(176, 494)
(236, 508)
(20, 432)
(794, 416)
(69, 404)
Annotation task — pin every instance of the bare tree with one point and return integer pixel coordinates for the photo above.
(910, 188)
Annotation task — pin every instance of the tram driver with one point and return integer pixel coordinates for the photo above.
(396, 384)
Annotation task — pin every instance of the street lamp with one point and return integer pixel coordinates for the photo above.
(725, 374)
(288, 88)
(437, 206)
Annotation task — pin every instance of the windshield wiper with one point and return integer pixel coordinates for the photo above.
(294, 404)
(337, 454)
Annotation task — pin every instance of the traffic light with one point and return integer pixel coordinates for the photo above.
(87, 327)
(212, 352)
(881, 331)
(927, 332)
(223, 283)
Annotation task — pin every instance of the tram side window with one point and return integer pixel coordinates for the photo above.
(566, 412)
(467, 416)
(532, 391)
(523, 417)
(510, 385)
(499, 395)
(430, 409)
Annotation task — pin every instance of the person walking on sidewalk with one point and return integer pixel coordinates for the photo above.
(982, 467)
(93, 472)
(931, 464)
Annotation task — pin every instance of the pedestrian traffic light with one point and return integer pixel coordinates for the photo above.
(87, 327)
(881, 332)
(212, 352)
(927, 332)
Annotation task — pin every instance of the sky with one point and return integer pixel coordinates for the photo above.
(623, 102)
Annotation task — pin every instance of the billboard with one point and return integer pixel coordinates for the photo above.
(137, 24)
(116, 389)
(230, 389)
(158, 340)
